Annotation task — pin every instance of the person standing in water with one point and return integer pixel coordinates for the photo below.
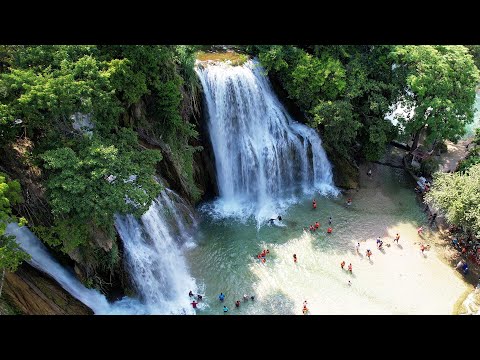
(190, 293)
(420, 230)
(221, 297)
(314, 204)
(317, 224)
(350, 267)
(237, 303)
(330, 220)
(295, 258)
(397, 237)
(225, 309)
(194, 304)
(357, 247)
(342, 264)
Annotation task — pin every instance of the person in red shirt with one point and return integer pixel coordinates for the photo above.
(194, 304)
(317, 225)
(342, 264)
(314, 204)
(350, 267)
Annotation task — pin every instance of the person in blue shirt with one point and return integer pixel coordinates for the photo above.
(221, 297)
(225, 309)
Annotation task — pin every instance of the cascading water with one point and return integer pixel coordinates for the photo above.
(153, 253)
(154, 257)
(262, 155)
(42, 260)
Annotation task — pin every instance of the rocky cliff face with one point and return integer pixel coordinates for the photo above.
(31, 292)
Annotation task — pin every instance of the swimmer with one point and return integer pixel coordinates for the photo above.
(295, 258)
(252, 297)
(225, 309)
(329, 230)
(245, 297)
(314, 204)
(237, 303)
(194, 304)
(330, 220)
(199, 297)
(221, 297)
(317, 224)
(190, 293)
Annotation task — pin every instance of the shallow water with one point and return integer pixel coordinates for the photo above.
(398, 280)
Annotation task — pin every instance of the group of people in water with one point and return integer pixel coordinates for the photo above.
(262, 257)
(221, 297)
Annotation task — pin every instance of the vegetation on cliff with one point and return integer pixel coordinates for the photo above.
(11, 256)
(81, 106)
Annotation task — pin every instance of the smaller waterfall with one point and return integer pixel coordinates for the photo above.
(153, 254)
(153, 250)
(43, 261)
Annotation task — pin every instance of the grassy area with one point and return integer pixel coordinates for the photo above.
(233, 57)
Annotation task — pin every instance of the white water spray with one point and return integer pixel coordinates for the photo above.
(153, 254)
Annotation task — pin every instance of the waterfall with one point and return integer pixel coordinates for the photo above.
(264, 158)
(42, 260)
(153, 254)
(153, 251)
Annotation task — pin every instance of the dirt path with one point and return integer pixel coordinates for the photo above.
(456, 152)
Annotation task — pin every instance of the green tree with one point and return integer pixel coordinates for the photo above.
(458, 196)
(99, 178)
(11, 255)
(440, 85)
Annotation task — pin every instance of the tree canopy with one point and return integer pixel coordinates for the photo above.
(439, 84)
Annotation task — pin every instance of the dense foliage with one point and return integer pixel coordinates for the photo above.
(11, 256)
(440, 85)
(458, 196)
(81, 106)
(346, 91)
